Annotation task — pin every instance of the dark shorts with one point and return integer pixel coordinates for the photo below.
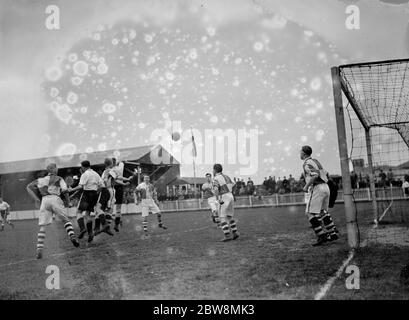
(88, 201)
(104, 198)
(3, 214)
(119, 194)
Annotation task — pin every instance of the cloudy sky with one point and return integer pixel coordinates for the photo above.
(116, 71)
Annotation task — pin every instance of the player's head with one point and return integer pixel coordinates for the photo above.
(108, 163)
(85, 165)
(217, 168)
(306, 151)
(208, 177)
(52, 168)
(146, 178)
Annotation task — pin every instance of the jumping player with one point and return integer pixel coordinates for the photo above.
(106, 200)
(48, 190)
(119, 182)
(5, 213)
(208, 194)
(223, 187)
(90, 184)
(146, 194)
(316, 179)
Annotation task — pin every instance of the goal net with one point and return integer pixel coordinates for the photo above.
(376, 112)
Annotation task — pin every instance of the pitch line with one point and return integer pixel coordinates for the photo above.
(97, 247)
(324, 289)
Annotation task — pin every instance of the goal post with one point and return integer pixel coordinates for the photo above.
(373, 139)
(350, 210)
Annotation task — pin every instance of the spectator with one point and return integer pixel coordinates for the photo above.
(405, 186)
(390, 177)
(354, 180)
(291, 182)
(279, 186)
(382, 179)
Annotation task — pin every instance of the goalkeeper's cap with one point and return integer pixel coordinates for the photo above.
(307, 150)
(208, 175)
(218, 168)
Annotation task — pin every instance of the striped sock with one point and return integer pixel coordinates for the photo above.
(233, 226)
(316, 226)
(69, 229)
(328, 223)
(226, 229)
(40, 239)
(145, 226)
(108, 219)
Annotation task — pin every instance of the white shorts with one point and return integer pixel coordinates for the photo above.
(149, 205)
(213, 204)
(51, 205)
(317, 199)
(227, 208)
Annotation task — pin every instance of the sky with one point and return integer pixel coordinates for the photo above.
(118, 72)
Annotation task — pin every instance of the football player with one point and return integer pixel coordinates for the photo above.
(48, 191)
(208, 195)
(90, 184)
(106, 200)
(119, 182)
(5, 213)
(146, 194)
(318, 196)
(223, 187)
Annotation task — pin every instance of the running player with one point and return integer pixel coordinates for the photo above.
(318, 195)
(90, 184)
(146, 194)
(48, 190)
(5, 213)
(223, 187)
(208, 194)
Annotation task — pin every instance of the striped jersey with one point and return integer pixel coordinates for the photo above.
(146, 190)
(312, 168)
(107, 177)
(207, 189)
(223, 183)
(51, 185)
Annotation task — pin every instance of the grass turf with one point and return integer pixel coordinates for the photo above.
(272, 259)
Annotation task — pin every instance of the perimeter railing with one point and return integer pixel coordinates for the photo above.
(274, 200)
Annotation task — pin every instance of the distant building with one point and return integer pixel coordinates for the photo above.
(15, 175)
(183, 186)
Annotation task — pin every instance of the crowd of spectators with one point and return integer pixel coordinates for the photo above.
(382, 180)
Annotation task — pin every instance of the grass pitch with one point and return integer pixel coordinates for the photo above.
(272, 259)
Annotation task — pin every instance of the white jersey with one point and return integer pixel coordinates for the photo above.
(4, 206)
(90, 180)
